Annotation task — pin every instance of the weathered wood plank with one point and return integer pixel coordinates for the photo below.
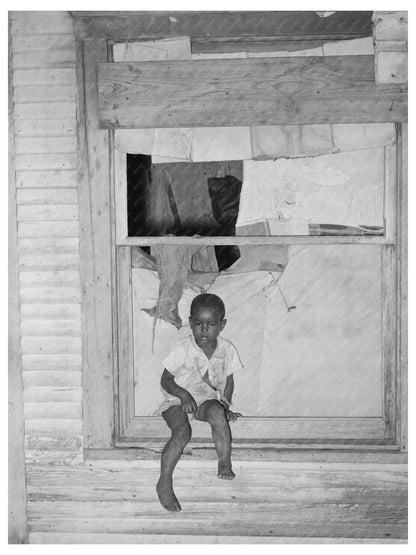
(45, 93)
(53, 443)
(267, 514)
(152, 25)
(51, 394)
(49, 262)
(47, 196)
(48, 229)
(52, 295)
(126, 538)
(48, 178)
(47, 145)
(271, 428)
(45, 128)
(59, 161)
(17, 525)
(59, 410)
(41, 23)
(48, 245)
(238, 44)
(252, 493)
(51, 345)
(43, 110)
(255, 240)
(247, 527)
(389, 334)
(44, 59)
(333, 89)
(51, 311)
(64, 458)
(51, 327)
(45, 212)
(402, 281)
(58, 378)
(51, 76)
(65, 362)
(125, 339)
(32, 43)
(95, 251)
(53, 426)
(50, 278)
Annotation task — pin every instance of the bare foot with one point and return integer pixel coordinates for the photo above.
(167, 496)
(225, 472)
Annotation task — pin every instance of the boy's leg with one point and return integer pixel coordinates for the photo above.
(213, 412)
(178, 422)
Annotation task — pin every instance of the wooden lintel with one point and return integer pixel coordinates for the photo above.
(273, 91)
(152, 25)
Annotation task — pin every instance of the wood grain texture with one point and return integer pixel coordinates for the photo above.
(266, 500)
(47, 145)
(48, 229)
(389, 335)
(271, 429)
(402, 281)
(52, 378)
(51, 76)
(284, 24)
(17, 526)
(194, 539)
(47, 178)
(256, 240)
(95, 251)
(125, 340)
(310, 90)
(45, 128)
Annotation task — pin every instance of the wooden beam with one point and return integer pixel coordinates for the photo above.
(402, 289)
(16, 482)
(280, 91)
(95, 252)
(153, 25)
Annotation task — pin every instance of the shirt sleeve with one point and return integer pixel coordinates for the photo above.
(175, 360)
(233, 361)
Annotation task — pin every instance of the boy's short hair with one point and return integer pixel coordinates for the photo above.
(208, 300)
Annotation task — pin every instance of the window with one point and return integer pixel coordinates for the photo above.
(368, 253)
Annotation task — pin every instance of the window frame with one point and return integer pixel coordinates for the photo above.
(104, 248)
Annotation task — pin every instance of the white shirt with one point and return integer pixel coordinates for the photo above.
(188, 363)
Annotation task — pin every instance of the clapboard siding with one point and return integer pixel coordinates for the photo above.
(41, 179)
(47, 196)
(44, 112)
(47, 77)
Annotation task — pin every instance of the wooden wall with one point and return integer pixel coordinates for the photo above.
(45, 144)
(48, 296)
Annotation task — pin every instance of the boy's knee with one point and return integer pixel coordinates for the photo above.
(182, 434)
(216, 414)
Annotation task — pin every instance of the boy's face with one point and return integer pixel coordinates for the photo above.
(206, 325)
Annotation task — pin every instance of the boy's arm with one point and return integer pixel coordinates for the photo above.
(229, 388)
(228, 393)
(170, 386)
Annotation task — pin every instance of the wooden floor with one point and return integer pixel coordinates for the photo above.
(268, 502)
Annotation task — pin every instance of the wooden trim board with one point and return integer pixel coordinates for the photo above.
(16, 468)
(221, 24)
(265, 91)
(95, 252)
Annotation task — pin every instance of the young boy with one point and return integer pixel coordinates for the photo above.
(198, 380)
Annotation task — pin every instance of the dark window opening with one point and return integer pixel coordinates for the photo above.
(182, 198)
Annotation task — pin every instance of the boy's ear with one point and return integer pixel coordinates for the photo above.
(223, 324)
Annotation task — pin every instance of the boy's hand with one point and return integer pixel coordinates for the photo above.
(188, 403)
(232, 416)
